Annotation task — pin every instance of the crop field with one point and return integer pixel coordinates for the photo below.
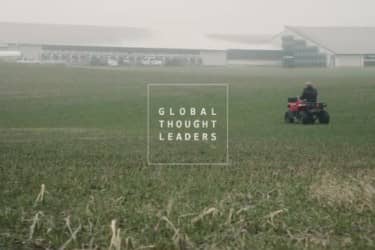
(74, 173)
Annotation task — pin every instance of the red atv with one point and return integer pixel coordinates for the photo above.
(300, 111)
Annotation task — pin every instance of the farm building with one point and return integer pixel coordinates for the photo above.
(328, 46)
(255, 57)
(115, 46)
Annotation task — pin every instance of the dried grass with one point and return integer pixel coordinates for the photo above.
(40, 196)
(353, 192)
(115, 243)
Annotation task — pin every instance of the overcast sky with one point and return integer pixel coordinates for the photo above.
(220, 16)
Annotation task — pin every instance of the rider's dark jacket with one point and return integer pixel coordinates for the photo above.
(310, 94)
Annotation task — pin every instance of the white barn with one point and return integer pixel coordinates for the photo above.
(332, 46)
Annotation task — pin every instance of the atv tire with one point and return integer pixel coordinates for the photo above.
(288, 117)
(306, 118)
(323, 117)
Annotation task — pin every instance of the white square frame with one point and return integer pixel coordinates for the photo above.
(226, 85)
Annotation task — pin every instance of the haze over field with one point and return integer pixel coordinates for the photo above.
(209, 16)
(187, 124)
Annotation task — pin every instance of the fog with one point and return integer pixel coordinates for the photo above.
(212, 16)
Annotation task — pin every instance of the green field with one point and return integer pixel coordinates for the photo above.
(82, 133)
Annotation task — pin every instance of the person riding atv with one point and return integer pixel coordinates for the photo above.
(309, 94)
(305, 109)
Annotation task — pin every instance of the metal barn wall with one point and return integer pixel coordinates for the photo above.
(31, 52)
(349, 61)
(255, 62)
(213, 58)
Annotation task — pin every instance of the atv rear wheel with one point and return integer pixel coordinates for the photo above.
(323, 117)
(306, 118)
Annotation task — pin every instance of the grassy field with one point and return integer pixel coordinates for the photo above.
(81, 134)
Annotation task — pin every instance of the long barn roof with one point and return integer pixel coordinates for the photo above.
(84, 35)
(62, 34)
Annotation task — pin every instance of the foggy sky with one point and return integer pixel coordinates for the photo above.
(214, 16)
